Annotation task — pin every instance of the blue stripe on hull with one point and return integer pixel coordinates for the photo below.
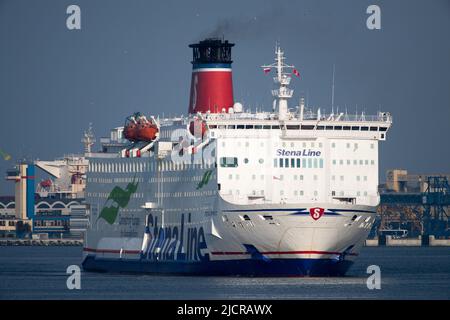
(245, 267)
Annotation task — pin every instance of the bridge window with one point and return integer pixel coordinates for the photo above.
(229, 162)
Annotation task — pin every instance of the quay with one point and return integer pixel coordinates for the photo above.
(40, 242)
(390, 241)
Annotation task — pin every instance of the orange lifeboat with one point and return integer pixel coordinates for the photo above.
(146, 130)
(197, 128)
(130, 128)
(138, 128)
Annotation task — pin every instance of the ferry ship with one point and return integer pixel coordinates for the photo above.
(227, 191)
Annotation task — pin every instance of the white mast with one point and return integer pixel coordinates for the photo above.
(283, 78)
(88, 140)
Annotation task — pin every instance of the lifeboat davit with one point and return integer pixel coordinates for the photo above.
(139, 128)
(198, 128)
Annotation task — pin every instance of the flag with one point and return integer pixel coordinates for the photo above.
(295, 71)
(266, 70)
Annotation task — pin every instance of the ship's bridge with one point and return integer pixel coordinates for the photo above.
(299, 124)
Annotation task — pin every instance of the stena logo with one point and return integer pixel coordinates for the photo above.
(181, 241)
(316, 213)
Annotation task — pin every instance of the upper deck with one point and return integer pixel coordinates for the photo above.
(309, 124)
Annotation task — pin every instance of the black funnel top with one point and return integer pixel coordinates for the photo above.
(212, 50)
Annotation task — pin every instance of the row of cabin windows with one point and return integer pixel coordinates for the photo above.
(355, 145)
(358, 178)
(304, 144)
(232, 162)
(280, 177)
(355, 162)
(10, 223)
(299, 127)
(106, 195)
(298, 163)
(284, 144)
(144, 167)
(299, 193)
(298, 177)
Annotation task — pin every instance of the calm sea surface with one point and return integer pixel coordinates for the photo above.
(406, 273)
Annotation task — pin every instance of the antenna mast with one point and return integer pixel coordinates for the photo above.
(332, 93)
(283, 78)
(88, 140)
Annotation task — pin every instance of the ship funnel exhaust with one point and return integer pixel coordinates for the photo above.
(211, 83)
